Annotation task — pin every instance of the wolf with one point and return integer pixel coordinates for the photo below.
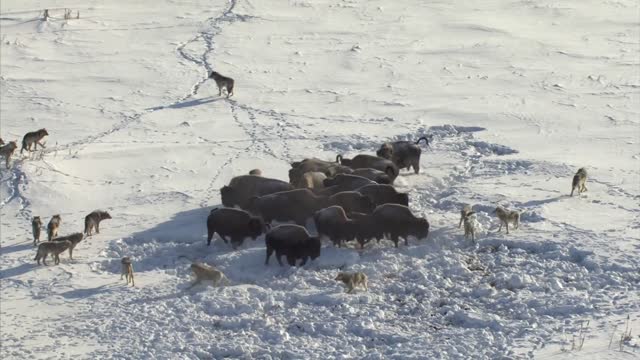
(222, 82)
(351, 280)
(36, 225)
(579, 181)
(470, 226)
(93, 221)
(33, 138)
(127, 270)
(7, 150)
(204, 272)
(73, 238)
(506, 217)
(463, 213)
(53, 226)
(51, 247)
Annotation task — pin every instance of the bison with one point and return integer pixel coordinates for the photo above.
(292, 241)
(233, 223)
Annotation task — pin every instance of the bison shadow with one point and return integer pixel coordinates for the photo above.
(183, 234)
(189, 224)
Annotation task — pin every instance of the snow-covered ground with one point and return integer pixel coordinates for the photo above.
(517, 95)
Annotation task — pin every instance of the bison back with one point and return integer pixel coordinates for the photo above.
(286, 236)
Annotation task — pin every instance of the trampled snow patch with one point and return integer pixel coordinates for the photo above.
(485, 148)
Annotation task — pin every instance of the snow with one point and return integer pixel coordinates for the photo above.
(514, 96)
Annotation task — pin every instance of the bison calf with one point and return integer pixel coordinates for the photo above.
(398, 221)
(333, 223)
(233, 223)
(292, 241)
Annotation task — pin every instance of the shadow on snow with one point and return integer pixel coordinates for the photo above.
(185, 104)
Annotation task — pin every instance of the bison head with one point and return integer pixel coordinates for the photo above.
(328, 182)
(365, 205)
(294, 176)
(313, 247)
(403, 199)
(384, 179)
(422, 229)
(385, 151)
(228, 196)
(256, 227)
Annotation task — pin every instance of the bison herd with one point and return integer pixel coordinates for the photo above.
(347, 200)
